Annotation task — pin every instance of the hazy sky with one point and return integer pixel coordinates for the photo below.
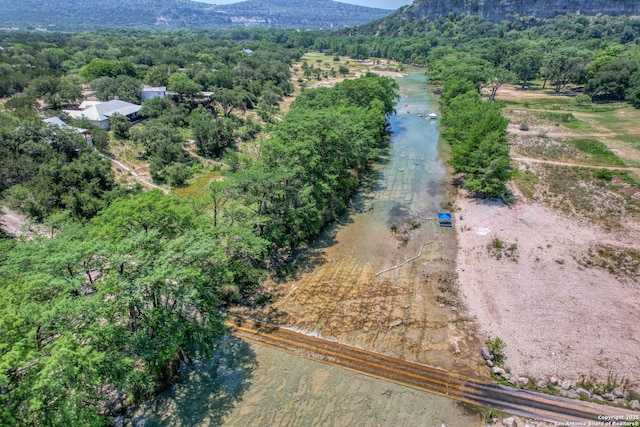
(382, 4)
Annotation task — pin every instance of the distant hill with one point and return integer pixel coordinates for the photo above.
(508, 10)
(66, 15)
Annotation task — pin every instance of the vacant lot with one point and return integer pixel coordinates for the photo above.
(565, 297)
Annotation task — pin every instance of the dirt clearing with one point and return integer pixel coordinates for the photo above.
(566, 301)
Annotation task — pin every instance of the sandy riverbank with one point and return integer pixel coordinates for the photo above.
(557, 311)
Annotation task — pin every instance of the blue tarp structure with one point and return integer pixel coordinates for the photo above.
(445, 219)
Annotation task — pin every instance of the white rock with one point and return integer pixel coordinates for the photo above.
(565, 385)
(542, 384)
(523, 380)
(553, 380)
(583, 392)
(489, 363)
(571, 394)
(609, 396)
(509, 422)
(635, 405)
(597, 397)
(496, 370)
(486, 354)
(395, 323)
(618, 394)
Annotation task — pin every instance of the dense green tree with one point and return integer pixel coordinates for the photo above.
(124, 87)
(45, 169)
(564, 65)
(476, 131)
(120, 125)
(183, 86)
(526, 64)
(55, 91)
(107, 68)
(612, 80)
(110, 309)
(211, 135)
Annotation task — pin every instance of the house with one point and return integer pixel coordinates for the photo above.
(247, 51)
(56, 121)
(149, 92)
(99, 112)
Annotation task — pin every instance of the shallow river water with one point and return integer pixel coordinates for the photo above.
(339, 296)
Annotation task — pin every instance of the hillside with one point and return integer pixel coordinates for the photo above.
(64, 15)
(501, 10)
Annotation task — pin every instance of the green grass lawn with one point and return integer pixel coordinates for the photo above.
(599, 152)
(199, 186)
(598, 128)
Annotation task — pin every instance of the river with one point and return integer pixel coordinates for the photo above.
(408, 312)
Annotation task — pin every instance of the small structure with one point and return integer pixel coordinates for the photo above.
(99, 112)
(56, 121)
(433, 116)
(149, 92)
(445, 219)
(247, 51)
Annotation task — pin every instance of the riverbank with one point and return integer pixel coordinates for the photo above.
(552, 274)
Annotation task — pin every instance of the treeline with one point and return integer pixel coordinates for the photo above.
(311, 166)
(600, 54)
(99, 313)
(477, 132)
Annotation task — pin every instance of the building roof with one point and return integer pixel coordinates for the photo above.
(87, 104)
(147, 88)
(101, 111)
(56, 121)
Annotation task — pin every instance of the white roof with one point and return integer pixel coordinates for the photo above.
(87, 104)
(103, 110)
(147, 88)
(56, 121)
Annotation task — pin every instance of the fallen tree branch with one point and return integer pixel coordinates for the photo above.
(406, 262)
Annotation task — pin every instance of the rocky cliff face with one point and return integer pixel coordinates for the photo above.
(501, 10)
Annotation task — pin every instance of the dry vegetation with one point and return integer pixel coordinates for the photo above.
(566, 308)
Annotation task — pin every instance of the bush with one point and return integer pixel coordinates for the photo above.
(496, 347)
(604, 174)
(177, 174)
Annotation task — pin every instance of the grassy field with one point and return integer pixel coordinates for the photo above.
(608, 133)
(198, 187)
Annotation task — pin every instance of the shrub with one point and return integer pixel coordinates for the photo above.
(496, 347)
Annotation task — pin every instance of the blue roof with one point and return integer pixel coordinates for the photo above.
(444, 215)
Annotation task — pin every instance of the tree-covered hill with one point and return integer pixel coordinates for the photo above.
(63, 15)
(501, 10)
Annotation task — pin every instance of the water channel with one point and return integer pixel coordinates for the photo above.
(339, 295)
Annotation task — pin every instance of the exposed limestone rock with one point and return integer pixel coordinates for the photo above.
(583, 392)
(506, 10)
(496, 370)
(486, 354)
